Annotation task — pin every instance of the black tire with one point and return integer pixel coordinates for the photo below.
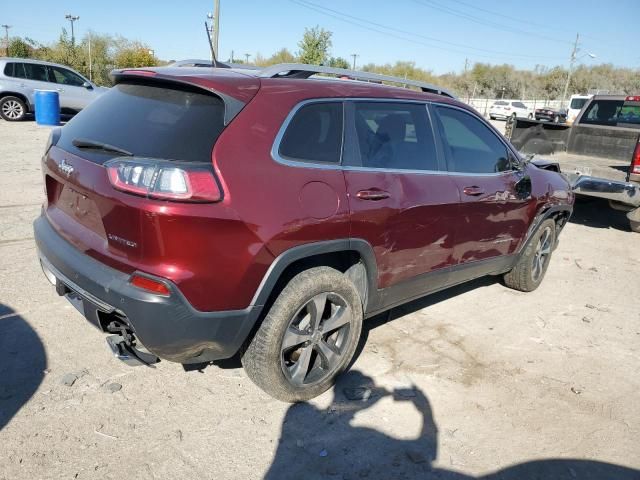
(12, 109)
(530, 116)
(513, 115)
(279, 369)
(528, 273)
(492, 117)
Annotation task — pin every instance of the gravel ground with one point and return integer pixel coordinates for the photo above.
(478, 381)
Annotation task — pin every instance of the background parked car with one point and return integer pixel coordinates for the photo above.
(20, 77)
(576, 102)
(509, 108)
(551, 114)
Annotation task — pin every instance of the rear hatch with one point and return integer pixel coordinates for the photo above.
(121, 175)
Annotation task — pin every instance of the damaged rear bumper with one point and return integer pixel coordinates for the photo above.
(626, 193)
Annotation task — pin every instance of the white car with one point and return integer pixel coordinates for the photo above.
(21, 77)
(509, 108)
(576, 102)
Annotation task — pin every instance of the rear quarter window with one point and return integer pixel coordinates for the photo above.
(314, 134)
(157, 121)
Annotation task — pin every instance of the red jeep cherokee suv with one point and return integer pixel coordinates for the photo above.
(195, 214)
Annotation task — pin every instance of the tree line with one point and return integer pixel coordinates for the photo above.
(481, 80)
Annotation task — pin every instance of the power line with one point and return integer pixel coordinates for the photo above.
(376, 27)
(481, 21)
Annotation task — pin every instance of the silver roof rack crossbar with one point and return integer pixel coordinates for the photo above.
(301, 70)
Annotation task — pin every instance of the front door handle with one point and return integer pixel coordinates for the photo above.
(473, 191)
(372, 195)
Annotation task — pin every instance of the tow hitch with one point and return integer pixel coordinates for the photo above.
(123, 347)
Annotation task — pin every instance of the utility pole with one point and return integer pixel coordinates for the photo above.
(466, 65)
(6, 38)
(231, 56)
(354, 55)
(216, 26)
(246, 56)
(572, 60)
(90, 60)
(72, 18)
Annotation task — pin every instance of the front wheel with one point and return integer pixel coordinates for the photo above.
(12, 109)
(308, 337)
(528, 273)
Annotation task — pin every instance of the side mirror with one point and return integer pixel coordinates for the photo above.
(87, 85)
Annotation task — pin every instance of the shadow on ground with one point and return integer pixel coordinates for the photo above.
(596, 213)
(324, 444)
(22, 363)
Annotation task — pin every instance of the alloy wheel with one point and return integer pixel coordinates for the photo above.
(12, 109)
(316, 339)
(541, 254)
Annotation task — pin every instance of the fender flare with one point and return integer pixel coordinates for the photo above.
(307, 250)
(545, 212)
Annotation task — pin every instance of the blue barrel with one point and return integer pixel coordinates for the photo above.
(47, 103)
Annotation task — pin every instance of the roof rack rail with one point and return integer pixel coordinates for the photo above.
(301, 70)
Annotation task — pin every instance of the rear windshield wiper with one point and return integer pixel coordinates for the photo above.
(94, 145)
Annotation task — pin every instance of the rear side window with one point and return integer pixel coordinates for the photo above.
(470, 146)
(33, 71)
(611, 113)
(157, 121)
(395, 136)
(500, 102)
(519, 105)
(314, 134)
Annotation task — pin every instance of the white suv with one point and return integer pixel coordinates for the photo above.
(508, 108)
(20, 77)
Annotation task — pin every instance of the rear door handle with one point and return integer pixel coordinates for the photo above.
(372, 195)
(473, 191)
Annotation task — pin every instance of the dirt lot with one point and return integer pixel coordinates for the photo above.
(479, 380)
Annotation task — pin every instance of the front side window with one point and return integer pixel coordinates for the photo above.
(314, 134)
(470, 146)
(33, 71)
(395, 136)
(65, 77)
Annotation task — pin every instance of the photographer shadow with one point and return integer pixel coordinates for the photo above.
(22, 363)
(318, 443)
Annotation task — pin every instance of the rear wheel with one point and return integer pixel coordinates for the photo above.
(12, 109)
(308, 337)
(528, 273)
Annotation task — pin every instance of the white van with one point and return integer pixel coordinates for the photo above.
(576, 102)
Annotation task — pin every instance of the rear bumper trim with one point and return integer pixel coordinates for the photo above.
(168, 327)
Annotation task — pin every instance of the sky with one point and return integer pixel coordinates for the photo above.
(438, 35)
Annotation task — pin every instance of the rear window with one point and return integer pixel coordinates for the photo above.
(157, 121)
(578, 103)
(314, 134)
(611, 113)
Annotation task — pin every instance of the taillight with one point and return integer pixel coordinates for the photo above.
(149, 284)
(164, 180)
(635, 163)
(632, 98)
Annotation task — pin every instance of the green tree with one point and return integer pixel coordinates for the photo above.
(20, 48)
(338, 62)
(315, 46)
(132, 54)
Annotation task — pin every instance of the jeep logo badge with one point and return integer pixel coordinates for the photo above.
(66, 168)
